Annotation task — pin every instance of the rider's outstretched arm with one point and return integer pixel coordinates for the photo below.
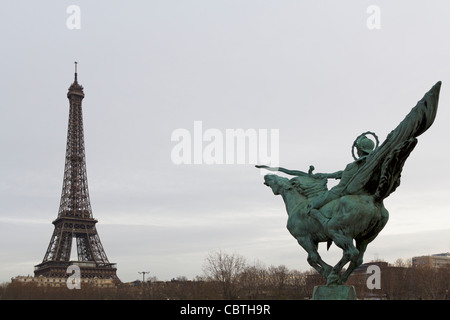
(287, 171)
(334, 175)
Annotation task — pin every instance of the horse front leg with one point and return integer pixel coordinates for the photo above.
(314, 258)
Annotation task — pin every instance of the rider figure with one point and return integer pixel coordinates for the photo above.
(364, 147)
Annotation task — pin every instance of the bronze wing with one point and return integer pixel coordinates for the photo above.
(380, 175)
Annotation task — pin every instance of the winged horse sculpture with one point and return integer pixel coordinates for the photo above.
(352, 213)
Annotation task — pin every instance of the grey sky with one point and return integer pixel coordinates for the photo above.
(311, 69)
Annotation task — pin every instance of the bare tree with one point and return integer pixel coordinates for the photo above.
(279, 277)
(406, 263)
(254, 280)
(225, 269)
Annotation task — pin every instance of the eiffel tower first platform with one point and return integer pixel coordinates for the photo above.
(75, 219)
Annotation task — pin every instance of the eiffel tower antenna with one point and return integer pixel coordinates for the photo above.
(75, 219)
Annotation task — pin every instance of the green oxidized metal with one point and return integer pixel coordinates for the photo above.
(352, 213)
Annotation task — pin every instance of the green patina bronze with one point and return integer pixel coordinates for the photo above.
(340, 292)
(352, 213)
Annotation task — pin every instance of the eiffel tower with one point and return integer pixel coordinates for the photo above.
(75, 219)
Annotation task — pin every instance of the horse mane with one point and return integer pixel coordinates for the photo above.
(308, 186)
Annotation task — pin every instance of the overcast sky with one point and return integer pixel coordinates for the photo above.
(313, 70)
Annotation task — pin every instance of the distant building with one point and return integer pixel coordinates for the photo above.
(434, 261)
(362, 269)
(43, 281)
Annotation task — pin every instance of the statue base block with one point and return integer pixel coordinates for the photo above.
(337, 292)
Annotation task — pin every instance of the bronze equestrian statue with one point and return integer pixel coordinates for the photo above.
(352, 213)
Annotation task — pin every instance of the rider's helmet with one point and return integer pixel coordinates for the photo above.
(364, 145)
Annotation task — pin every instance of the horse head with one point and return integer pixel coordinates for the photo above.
(277, 183)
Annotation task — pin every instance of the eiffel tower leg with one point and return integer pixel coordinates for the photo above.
(60, 245)
(52, 247)
(83, 248)
(65, 247)
(97, 248)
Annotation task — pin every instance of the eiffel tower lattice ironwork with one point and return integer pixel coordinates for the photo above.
(75, 219)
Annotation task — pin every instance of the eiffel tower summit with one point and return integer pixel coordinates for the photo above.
(75, 219)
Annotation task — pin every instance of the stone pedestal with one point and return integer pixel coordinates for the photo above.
(334, 292)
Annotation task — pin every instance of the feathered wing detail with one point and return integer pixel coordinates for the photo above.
(380, 175)
(391, 169)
